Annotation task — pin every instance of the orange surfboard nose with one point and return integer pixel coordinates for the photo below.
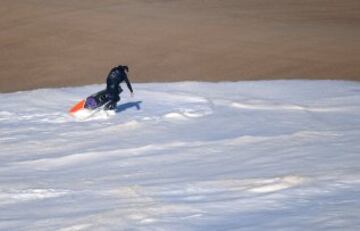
(80, 105)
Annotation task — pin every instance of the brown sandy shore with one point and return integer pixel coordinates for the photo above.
(52, 43)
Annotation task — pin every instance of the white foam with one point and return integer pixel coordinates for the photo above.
(86, 114)
(277, 184)
(11, 196)
(77, 227)
(175, 116)
(266, 154)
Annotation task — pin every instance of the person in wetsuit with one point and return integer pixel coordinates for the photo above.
(116, 76)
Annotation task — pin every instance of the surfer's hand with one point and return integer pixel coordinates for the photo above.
(131, 94)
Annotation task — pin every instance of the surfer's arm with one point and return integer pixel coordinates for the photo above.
(128, 84)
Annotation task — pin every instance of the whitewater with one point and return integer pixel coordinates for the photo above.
(257, 155)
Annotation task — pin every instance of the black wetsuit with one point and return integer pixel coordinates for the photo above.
(116, 76)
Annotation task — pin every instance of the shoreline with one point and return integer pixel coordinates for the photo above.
(181, 81)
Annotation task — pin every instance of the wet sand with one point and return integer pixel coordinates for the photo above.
(51, 43)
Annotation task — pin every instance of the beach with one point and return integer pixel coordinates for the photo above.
(49, 43)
